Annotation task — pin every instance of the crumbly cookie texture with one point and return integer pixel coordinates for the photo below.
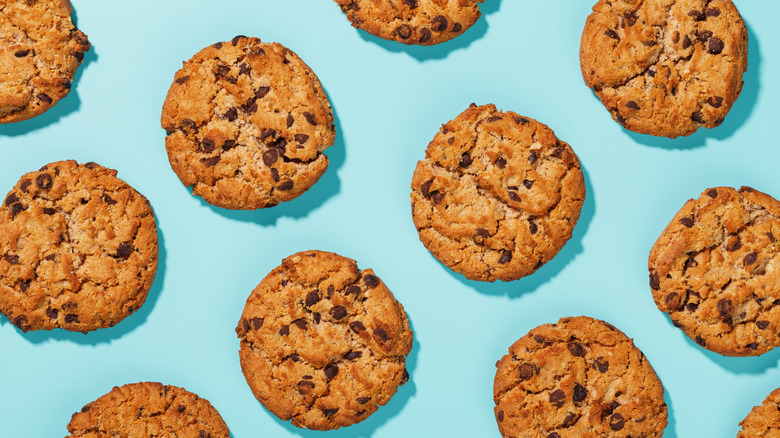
(497, 195)
(579, 377)
(763, 421)
(78, 249)
(423, 22)
(665, 67)
(715, 270)
(40, 50)
(247, 123)
(148, 409)
(323, 343)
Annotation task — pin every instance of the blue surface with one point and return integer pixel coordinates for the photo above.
(389, 101)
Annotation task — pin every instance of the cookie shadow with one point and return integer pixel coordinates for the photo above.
(327, 187)
(742, 365)
(69, 105)
(671, 425)
(367, 428)
(736, 118)
(442, 50)
(550, 269)
(127, 325)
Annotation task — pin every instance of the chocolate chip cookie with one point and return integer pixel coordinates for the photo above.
(579, 377)
(424, 22)
(715, 270)
(763, 421)
(40, 50)
(247, 123)
(665, 67)
(148, 409)
(78, 249)
(323, 343)
(497, 195)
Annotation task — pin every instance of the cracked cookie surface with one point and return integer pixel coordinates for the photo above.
(763, 421)
(323, 343)
(148, 409)
(715, 270)
(665, 67)
(578, 377)
(497, 195)
(40, 50)
(78, 249)
(423, 22)
(247, 123)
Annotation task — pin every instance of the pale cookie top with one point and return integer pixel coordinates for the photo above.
(578, 378)
(247, 124)
(665, 67)
(715, 270)
(148, 409)
(323, 343)
(763, 421)
(40, 50)
(497, 195)
(424, 22)
(78, 249)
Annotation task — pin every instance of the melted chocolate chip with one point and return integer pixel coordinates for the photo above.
(616, 422)
(715, 46)
(124, 250)
(686, 42)
(528, 184)
(330, 411)
(532, 227)
(480, 235)
(371, 280)
(338, 312)
(211, 161)
(558, 397)
(425, 35)
(43, 181)
(527, 370)
(673, 301)
(312, 298)
(300, 323)
(465, 160)
(580, 393)
(71, 318)
(439, 23)
(231, 114)
(301, 138)
(331, 371)
(270, 156)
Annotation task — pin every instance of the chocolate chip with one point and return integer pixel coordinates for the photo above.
(612, 34)
(78, 55)
(630, 19)
(71, 318)
(601, 364)
(312, 298)
(380, 333)
(457, 27)
(50, 257)
(673, 301)
(236, 39)
(357, 326)
(217, 46)
(45, 98)
(557, 152)
(439, 23)
(261, 92)
(16, 209)
(182, 79)
(228, 145)
(532, 227)
(580, 393)
(338, 312)
(712, 12)
(211, 161)
(616, 422)
(300, 323)
(301, 138)
(500, 416)
(405, 376)
(686, 42)
(762, 324)
(86, 408)
(697, 117)
(285, 330)
(425, 35)
(256, 323)
(733, 243)
(633, 105)
(403, 31)
(514, 196)
(527, 370)
(687, 221)
(231, 114)
(244, 68)
(715, 101)
(22, 53)
(124, 250)
(352, 355)
(363, 400)
(704, 35)
(701, 341)
(495, 119)
(270, 156)
(569, 419)
(207, 145)
(715, 46)
(558, 397)
(575, 349)
(506, 257)
(752, 346)
(24, 285)
(331, 371)
(411, 3)
(725, 307)
(712, 193)
(12, 259)
(480, 235)
(697, 15)
(532, 157)
(371, 280)
(43, 181)
(465, 160)
(750, 259)
(310, 118)
(329, 412)
(286, 185)
(181, 408)
(553, 435)
(52, 313)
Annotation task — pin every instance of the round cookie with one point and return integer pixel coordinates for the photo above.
(763, 421)
(78, 249)
(665, 67)
(497, 195)
(424, 22)
(148, 409)
(40, 50)
(247, 123)
(715, 270)
(579, 377)
(323, 343)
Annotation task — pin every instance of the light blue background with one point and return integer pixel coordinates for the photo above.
(389, 101)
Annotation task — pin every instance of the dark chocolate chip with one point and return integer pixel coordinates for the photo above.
(50, 257)
(633, 105)
(673, 301)
(207, 145)
(86, 408)
(480, 235)
(715, 46)
(439, 23)
(750, 259)
(261, 92)
(500, 416)
(712, 12)
(45, 98)
(601, 364)
(457, 27)
(403, 31)
(338, 312)
(425, 35)
(270, 156)
(687, 221)
(733, 244)
(25, 184)
(108, 200)
(697, 15)
(256, 323)
(697, 117)
(330, 411)
(527, 370)
(12, 259)
(686, 42)
(244, 68)
(712, 193)
(553, 435)
(228, 145)
(211, 161)
(181, 408)
(20, 322)
(532, 157)
(575, 349)
(124, 250)
(217, 46)
(312, 298)
(532, 227)
(231, 114)
(495, 119)
(630, 19)
(725, 307)
(371, 280)
(285, 330)
(381, 334)
(22, 53)
(569, 419)
(580, 393)
(558, 397)
(43, 181)
(71, 318)
(357, 326)
(182, 79)
(411, 3)
(301, 138)
(236, 39)
(331, 371)
(616, 422)
(286, 185)
(352, 355)
(752, 346)
(612, 34)
(506, 257)
(762, 324)
(500, 163)
(514, 196)
(465, 160)
(701, 341)
(310, 118)
(704, 35)
(24, 285)
(300, 323)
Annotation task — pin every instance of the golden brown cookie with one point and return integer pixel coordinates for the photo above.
(247, 124)
(763, 421)
(665, 67)
(497, 195)
(40, 50)
(580, 377)
(424, 22)
(148, 409)
(715, 270)
(78, 249)
(323, 343)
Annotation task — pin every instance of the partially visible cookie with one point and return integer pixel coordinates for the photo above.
(40, 50)
(323, 343)
(497, 195)
(763, 421)
(580, 377)
(247, 123)
(148, 409)
(715, 270)
(424, 22)
(665, 67)
(78, 249)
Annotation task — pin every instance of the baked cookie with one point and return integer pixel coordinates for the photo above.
(247, 124)
(665, 67)
(78, 249)
(763, 421)
(424, 22)
(40, 50)
(148, 409)
(715, 270)
(580, 377)
(322, 343)
(497, 195)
